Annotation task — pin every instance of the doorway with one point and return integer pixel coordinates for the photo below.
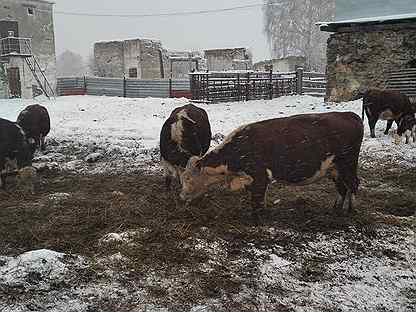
(15, 86)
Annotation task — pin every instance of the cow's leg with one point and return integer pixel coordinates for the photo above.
(258, 195)
(372, 124)
(389, 124)
(342, 190)
(168, 181)
(42, 142)
(3, 181)
(347, 181)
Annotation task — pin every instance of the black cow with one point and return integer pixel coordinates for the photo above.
(297, 150)
(184, 134)
(15, 149)
(391, 106)
(35, 122)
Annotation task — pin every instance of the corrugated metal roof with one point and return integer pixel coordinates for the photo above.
(388, 19)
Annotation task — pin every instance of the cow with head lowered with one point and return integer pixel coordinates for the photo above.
(391, 106)
(35, 122)
(184, 134)
(15, 150)
(297, 150)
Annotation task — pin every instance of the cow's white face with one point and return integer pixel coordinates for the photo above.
(197, 180)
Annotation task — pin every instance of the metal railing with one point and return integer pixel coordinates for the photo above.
(15, 46)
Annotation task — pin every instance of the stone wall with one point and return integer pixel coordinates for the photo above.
(37, 26)
(154, 60)
(362, 58)
(109, 60)
(3, 82)
(228, 59)
(285, 64)
(119, 58)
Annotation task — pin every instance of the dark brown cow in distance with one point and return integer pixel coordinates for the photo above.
(184, 134)
(297, 150)
(391, 106)
(35, 122)
(15, 150)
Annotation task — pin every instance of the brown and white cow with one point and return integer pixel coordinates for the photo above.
(391, 106)
(297, 150)
(184, 134)
(35, 122)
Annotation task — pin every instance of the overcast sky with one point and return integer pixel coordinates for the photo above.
(242, 28)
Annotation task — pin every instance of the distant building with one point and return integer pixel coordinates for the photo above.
(369, 40)
(183, 62)
(285, 64)
(27, 48)
(228, 59)
(135, 58)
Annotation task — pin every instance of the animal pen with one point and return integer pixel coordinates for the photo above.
(214, 87)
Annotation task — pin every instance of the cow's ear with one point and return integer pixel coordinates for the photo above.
(240, 182)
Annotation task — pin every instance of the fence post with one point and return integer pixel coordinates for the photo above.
(238, 88)
(299, 80)
(170, 86)
(124, 86)
(248, 87)
(207, 87)
(85, 85)
(271, 83)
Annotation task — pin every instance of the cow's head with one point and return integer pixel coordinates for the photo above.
(406, 124)
(197, 179)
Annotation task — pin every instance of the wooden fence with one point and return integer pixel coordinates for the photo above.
(215, 87)
(403, 81)
(314, 84)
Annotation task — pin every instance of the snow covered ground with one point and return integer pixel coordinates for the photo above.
(127, 130)
(341, 270)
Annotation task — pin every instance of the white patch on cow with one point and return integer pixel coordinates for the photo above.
(326, 165)
(176, 130)
(269, 174)
(414, 133)
(21, 130)
(229, 138)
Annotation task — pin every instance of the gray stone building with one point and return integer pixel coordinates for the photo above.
(285, 64)
(135, 58)
(228, 59)
(369, 39)
(184, 62)
(30, 19)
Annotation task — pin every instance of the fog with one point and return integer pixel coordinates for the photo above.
(239, 28)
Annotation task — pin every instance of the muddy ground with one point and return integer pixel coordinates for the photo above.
(209, 254)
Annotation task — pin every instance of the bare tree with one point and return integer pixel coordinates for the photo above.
(91, 65)
(291, 29)
(70, 64)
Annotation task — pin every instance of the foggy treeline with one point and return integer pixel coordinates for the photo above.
(290, 26)
(70, 64)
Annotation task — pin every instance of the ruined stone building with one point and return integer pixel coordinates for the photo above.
(228, 59)
(285, 64)
(26, 40)
(369, 39)
(183, 62)
(135, 58)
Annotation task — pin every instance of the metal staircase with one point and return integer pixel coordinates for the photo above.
(35, 68)
(21, 47)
